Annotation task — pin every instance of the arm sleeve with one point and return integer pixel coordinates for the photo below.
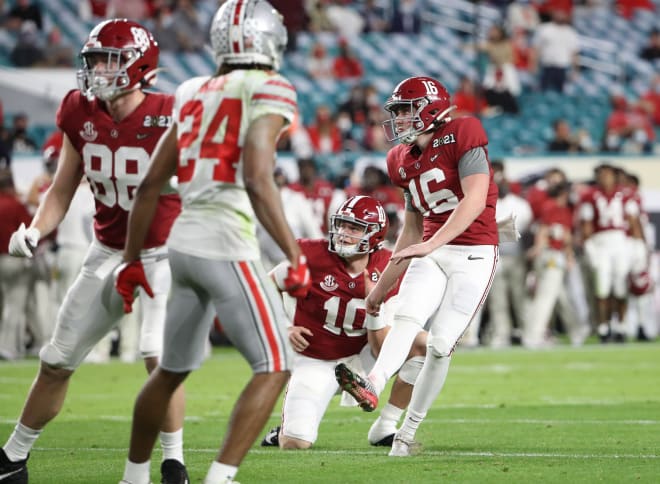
(407, 198)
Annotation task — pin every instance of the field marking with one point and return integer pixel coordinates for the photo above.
(360, 418)
(381, 452)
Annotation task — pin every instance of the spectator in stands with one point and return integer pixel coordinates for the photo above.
(13, 274)
(57, 53)
(501, 84)
(319, 64)
(163, 30)
(652, 97)
(522, 50)
(133, 9)
(91, 10)
(346, 65)
(356, 105)
(374, 136)
(628, 128)
(28, 50)
(627, 8)
(522, 16)
(318, 16)
(19, 138)
(324, 133)
(466, 99)
(556, 48)
(187, 27)
(376, 16)
(651, 50)
(564, 141)
(407, 18)
(24, 11)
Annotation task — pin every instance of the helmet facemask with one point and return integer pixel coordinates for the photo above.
(405, 123)
(110, 81)
(350, 237)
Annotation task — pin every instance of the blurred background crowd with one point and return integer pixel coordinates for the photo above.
(559, 79)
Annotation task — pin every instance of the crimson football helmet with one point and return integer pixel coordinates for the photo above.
(640, 283)
(119, 56)
(417, 105)
(363, 211)
(248, 32)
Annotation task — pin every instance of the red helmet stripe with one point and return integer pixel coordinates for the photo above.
(237, 43)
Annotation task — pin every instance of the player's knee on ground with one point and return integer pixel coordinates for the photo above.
(291, 443)
(440, 347)
(411, 368)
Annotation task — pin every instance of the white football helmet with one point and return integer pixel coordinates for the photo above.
(248, 32)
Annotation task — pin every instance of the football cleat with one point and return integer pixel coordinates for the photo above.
(173, 472)
(272, 438)
(381, 433)
(404, 448)
(13, 472)
(359, 388)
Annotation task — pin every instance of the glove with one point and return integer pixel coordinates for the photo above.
(24, 241)
(298, 280)
(128, 276)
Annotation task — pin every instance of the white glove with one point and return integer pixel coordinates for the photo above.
(24, 241)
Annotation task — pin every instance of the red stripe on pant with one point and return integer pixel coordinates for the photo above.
(266, 321)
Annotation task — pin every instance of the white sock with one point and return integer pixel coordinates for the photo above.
(390, 413)
(393, 353)
(427, 388)
(219, 473)
(20, 442)
(137, 473)
(172, 445)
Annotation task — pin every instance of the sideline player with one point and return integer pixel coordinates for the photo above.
(449, 244)
(330, 325)
(111, 126)
(222, 149)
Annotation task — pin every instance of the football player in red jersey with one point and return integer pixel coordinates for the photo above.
(606, 212)
(448, 244)
(222, 148)
(330, 325)
(110, 127)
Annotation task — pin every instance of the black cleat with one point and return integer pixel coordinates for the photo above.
(385, 441)
(173, 472)
(272, 438)
(13, 472)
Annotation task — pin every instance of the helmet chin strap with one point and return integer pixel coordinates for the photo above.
(438, 120)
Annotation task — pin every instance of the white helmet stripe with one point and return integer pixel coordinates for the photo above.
(355, 200)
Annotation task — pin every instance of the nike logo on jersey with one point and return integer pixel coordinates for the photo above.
(471, 257)
(142, 135)
(434, 157)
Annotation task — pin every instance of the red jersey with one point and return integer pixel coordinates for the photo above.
(607, 211)
(559, 220)
(320, 194)
(115, 157)
(537, 196)
(334, 308)
(433, 181)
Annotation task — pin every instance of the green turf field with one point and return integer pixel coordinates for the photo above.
(563, 415)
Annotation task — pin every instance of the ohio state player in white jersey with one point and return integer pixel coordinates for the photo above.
(110, 129)
(606, 211)
(330, 325)
(222, 149)
(448, 244)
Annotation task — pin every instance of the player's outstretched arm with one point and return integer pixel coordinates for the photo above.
(162, 168)
(259, 164)
(57, 199)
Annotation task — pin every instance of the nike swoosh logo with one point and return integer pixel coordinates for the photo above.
(143, 135)
(471, 257)
(4, 476)
(434, 157)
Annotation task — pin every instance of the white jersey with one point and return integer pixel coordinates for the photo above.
(213, 115)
